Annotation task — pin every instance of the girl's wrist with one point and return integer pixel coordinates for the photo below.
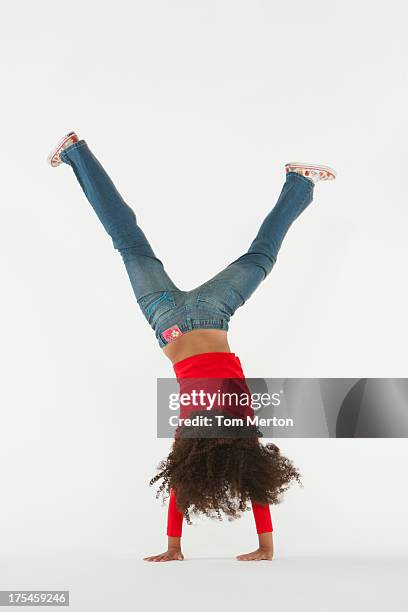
(173, 543)
(265, 541)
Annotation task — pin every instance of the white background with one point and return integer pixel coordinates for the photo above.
(193, 108)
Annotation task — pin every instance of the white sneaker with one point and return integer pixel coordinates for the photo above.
(314, 172)
(54, 157)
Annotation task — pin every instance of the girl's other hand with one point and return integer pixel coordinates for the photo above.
(169, 555)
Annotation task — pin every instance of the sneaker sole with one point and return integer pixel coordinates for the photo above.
(312, 167)
(53, 158)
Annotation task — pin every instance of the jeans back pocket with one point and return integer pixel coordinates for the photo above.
(155, 305)
(221, 297)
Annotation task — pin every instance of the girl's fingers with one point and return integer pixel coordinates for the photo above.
(164, 557)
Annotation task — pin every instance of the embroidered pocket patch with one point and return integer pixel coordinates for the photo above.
(172, 333)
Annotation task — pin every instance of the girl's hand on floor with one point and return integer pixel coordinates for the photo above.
(169, 555)
(260, 554)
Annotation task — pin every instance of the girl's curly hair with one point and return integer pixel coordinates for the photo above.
(223, 475)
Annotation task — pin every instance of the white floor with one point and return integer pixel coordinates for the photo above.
(318, 584)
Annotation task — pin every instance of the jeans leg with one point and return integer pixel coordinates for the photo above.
(145, 270)
(244, 274)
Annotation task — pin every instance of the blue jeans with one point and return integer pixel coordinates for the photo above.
(169, 310)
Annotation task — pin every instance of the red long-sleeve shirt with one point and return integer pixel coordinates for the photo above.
(211, 365)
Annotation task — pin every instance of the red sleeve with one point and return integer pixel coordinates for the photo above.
(174, 518)
(262, 516)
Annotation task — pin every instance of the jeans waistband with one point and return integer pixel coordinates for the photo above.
(189, 324)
